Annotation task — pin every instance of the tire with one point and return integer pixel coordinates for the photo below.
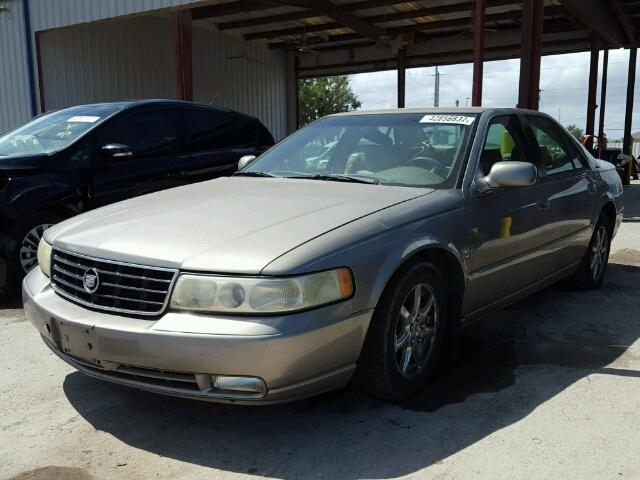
(591, 271)
(383, 369)
(25, 238)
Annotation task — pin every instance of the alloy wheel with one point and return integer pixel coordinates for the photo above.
(415, 331)
(599, 251)
(29, 247)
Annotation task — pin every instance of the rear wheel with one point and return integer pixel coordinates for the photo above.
(406, 334)
(594, 263)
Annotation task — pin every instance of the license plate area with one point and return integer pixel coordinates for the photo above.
(76, 340)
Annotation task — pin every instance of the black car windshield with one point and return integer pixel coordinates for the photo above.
(54, 131)
(407, 149)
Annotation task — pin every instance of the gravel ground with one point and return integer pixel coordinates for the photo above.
(549, 388)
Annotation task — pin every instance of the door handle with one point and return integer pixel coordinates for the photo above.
(592, 188)
(544, 204)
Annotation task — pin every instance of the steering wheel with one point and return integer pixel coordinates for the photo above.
(431, 164)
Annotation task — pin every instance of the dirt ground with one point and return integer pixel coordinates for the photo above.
(549, 388)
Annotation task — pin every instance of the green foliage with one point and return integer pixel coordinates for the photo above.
(576, 131)
(325, 95)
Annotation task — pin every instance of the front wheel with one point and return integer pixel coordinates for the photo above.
(594, 263)
(26, 237)
(406, 334)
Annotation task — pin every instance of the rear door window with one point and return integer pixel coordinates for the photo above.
(206, 130)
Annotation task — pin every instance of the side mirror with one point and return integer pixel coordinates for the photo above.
(116, 151)
(246, 160)
(508, 174)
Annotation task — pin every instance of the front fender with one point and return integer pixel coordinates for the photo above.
(48, 191)
(375, 247)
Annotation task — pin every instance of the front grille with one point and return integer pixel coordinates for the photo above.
(119, 287)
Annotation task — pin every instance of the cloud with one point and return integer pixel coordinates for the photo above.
(564, 81)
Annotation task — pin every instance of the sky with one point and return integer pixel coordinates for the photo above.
(564, 81)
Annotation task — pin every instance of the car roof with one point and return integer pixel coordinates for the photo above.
(129, 104)
(436, 110)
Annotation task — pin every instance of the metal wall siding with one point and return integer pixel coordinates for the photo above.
(14, 80)
(46, 14)
(120, 60)
(255, 85)
(134, 58)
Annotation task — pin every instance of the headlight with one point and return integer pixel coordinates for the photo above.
(261, 295)
(44, 257)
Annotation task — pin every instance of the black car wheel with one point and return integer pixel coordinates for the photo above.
(23, 256)
(595, 260)
(406, 334)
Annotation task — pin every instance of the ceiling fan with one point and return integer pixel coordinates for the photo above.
(469, 31)
(243, 54)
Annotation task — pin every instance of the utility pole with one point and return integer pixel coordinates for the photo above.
(436, 93)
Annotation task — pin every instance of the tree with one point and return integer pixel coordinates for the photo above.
(576, 131)
(325, 95)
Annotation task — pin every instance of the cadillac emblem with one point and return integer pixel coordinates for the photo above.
(91, 280)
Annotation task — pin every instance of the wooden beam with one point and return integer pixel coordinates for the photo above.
(402, 65)
(531, 50)
(603, 100)
(346, 19)
(429, 60)
(302, 14)
(593, 86)
(452, 49)
(628, 113)
(230, 8)
(183, 42)
(478, 52)
(624, 21)
(596, 16)
(460, 24)
(356, 6)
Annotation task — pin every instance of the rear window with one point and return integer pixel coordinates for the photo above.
(247, 131)
(207, 130)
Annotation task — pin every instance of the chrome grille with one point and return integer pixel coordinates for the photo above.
(119, 287)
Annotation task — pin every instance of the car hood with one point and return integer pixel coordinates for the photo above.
(14, 163)
(228, 225)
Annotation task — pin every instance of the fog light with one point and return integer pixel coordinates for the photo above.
(239, 384)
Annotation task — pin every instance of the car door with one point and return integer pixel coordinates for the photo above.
(152, 135)
(572, 189)
(507, 239)
(212, 145)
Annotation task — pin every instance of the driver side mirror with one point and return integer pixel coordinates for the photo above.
(508, 174)
(116, 152)
(244, 161)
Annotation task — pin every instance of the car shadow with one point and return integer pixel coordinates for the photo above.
(496, 374)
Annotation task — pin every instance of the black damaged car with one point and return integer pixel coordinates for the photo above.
(68, 161)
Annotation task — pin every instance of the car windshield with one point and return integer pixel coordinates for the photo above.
(53, 131)
(406, 149)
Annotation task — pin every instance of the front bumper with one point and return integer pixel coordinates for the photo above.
(296, 355)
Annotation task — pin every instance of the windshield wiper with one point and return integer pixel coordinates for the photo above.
(252, 174)
(339, 178)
